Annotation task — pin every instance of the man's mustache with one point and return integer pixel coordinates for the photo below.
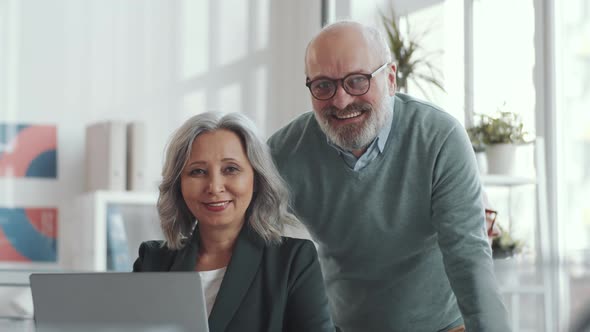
(333, 110)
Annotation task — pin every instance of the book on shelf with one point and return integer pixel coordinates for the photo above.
(106, 147)
(136, 156)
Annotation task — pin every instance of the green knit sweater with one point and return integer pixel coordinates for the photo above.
(402, 242)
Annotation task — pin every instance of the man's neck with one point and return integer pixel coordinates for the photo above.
(359, 153)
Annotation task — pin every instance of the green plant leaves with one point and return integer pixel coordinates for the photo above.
(500, 128)
(410, 66)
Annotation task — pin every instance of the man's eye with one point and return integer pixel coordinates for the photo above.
(357, 81)
(324, 85)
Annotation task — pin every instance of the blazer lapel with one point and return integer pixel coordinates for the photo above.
(238, 277)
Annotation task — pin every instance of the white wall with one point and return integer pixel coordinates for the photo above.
(367, 11)
(254, 58)
(294, 24)
(70, 63)
(73, 63)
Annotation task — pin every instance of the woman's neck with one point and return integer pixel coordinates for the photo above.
(215, 248)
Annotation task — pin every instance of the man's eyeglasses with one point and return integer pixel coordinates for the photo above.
(354, 84)
(491, 216)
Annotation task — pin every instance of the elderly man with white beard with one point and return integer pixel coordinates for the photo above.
(387, 186)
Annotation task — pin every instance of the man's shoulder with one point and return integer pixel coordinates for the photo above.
(294, 128)
(422, 108)
(416, 111)
(292, 133)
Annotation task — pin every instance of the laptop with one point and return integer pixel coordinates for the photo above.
(146, 301)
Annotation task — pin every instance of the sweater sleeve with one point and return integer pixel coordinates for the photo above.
(307, 303)
(458, 216)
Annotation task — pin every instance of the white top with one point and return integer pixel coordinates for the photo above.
(211, 281)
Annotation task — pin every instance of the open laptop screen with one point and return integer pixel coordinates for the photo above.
(151, 301)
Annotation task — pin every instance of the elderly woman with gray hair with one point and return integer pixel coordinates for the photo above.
(222, 207)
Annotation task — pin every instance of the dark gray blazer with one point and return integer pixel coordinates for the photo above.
(265, 287)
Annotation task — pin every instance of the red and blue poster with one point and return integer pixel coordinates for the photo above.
(28, 234)
(28, 150)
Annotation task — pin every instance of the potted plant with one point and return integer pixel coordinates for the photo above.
(476, 137)
(498, 135)
(505, 246)
(406, 51)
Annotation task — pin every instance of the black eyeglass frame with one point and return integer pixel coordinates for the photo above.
(308, 83)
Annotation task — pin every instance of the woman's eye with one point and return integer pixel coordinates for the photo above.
(197, 171)
(231, 169)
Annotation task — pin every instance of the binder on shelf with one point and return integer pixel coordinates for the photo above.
(136, 156)
(106, 145)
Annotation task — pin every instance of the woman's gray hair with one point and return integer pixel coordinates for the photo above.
(268, 212)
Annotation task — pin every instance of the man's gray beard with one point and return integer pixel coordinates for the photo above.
(354, 136)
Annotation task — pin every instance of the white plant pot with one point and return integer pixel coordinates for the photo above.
(501, 158)
(482, 162)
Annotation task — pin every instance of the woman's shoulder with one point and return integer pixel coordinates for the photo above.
(293, 256)
(153, 246)
(154, 256)
(294, 247)
(293, 241)
(155, 250)
(153, 243)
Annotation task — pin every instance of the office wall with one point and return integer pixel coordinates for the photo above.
(70, 63)
(367, 11)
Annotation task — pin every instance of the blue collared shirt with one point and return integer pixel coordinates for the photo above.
(374, 149)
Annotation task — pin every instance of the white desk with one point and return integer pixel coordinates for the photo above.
(17, 325)
(16, 303)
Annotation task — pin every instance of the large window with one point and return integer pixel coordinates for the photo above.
(504, 57)
(223, 66)
(573, 126)
(440, 27)
(503, 64)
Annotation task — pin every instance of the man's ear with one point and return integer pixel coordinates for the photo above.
(392, 84)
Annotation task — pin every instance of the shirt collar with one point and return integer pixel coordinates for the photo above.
(384, 134)
(381, 137)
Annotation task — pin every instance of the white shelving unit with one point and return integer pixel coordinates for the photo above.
(509, 182)
(491, 180)
(520, 276)
(83, 230)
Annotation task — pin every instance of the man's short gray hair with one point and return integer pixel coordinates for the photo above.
(268, 211)
(373, 35)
